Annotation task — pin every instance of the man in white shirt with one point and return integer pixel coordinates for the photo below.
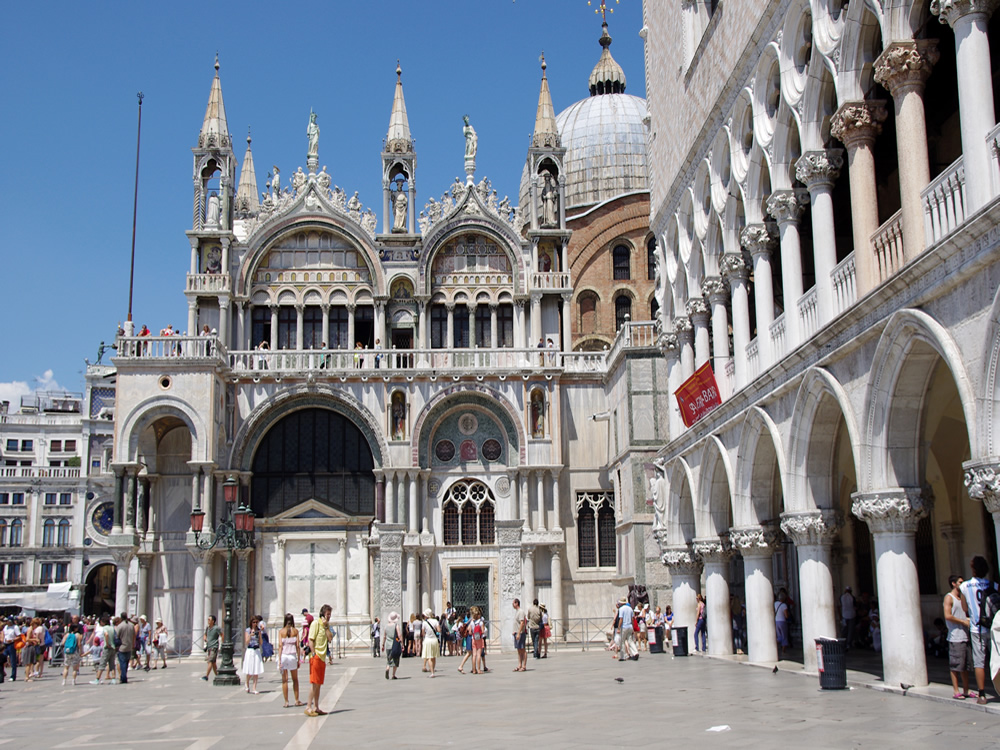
(979, 633)
(625, 615)
(10, 634)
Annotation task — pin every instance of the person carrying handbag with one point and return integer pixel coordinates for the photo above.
(392, 644)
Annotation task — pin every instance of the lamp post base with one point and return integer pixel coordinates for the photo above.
(227, 678)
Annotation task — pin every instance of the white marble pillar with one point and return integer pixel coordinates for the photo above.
(412, 585)
(325, 307)
(856, 125)
(119, 499)
(493, 326)
(351, 309)
(425, 580)
(698, 312)
(787, 207)
(756, 239)
(223, 322)
(818, 171)
(365, 570)
(421, 342)
(556, 500)
(715, 557)
(903, 69)
(670, 348)
(450, 334)
(390, 496)
(536, 319)
(540, 523)
(142, 587)
(192, 325)
(279, 578)
(209, 587)
(528, 571)
(343, 576)
(520, 325)
(717, 293)
(567, 322)
(556, 605)
(756, 544)
(198, 608)
(414, 501)
(813, 533)
(123, 558)
(241, 326)
(274, 328)
(685, 578)
(736, 271)
(684, 331)
(969, 19)
(525, 504)
(893, 515)
(423, 504)
(471, 309)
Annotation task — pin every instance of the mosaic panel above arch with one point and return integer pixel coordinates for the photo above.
(311, 256)
(470, 422)
(471, 259)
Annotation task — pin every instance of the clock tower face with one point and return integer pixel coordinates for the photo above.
(102, 518)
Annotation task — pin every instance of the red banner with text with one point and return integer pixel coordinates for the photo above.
(698, 395)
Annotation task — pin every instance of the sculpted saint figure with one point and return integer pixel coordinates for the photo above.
(354, 204)
(298, 179)
(471, 139)
(399, 212)
(276, 182)
(213, 210)
(312, 133)
(550, 202)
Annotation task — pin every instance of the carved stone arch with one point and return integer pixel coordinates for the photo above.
(721, 171)
(295, 398)
(904, 18)
(787, 148)
(907, 353)
(592, 342)
(819, 102)
(477, 396)
(396, 167)
(989, 426)
(714, 509)
(702, 196)
(766, 94)
(758, 185)
(820, 403)
(760, 464)
(283, 226)
(685, 225)
(741, 135)
(680, 503)
(714, 247)
(796, 37)
(863, 24)
(287, 295)
(145, 413)
(312, 295)
(400, 278)
(444, 231)
(203, 164)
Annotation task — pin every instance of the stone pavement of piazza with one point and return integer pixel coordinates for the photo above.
(572, 699)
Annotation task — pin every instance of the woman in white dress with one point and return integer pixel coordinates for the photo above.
(432, 646)
(289, 657)
(253, 664)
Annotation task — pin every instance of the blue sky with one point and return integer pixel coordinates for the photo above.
(69, 127)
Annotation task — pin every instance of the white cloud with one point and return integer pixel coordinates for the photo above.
(13, 390)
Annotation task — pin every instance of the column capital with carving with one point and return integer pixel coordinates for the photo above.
(715, 289)
(982, 481)
(858, 123)
(682, 560)
(812, 527)
(757, 239)
(788, 205)
(669, 345)
(735, 267)
(897, 510)
(713, 550)
(951, 11)
(819, 168)
(697, 308)
(754, 540)
(903, 66)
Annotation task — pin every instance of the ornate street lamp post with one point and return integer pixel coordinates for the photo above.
(235, 532)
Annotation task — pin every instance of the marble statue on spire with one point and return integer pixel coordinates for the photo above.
(312, 133)
(471, 145)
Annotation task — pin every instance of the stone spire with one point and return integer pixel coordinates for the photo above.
(607, 77)
(214, 130)
(546, 133)
(246, 192)
(398, 139)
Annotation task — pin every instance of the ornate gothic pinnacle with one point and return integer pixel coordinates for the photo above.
(892, 511)
(904, 64)
(819, 167)
(757, 239)
(787, 205)
(735, 267)
(854, 122)
(950, 11)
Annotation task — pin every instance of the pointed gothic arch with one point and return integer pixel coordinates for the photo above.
(760, 471)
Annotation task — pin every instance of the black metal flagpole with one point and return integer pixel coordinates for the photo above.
(135, 207)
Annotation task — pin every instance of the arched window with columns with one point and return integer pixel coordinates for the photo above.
(468, 514)
(622, 263)
(595, 528)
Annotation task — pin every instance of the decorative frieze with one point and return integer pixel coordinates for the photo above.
(906, 64)
(757, 239)
(788, 205)
(816, 168)
(892, 511)
(982, 481)
(857, 122)
(813, 527)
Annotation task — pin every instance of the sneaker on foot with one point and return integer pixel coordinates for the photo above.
(982, 699)
(205, 678)
(95, 682)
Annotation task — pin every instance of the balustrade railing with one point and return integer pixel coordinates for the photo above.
(778, 336)
(728, 384)
(167, 347)
(632, 335)
(584, 361)
(887, 241)
(845, 285)
(550, 280)
(753, 359)
(944, 202)
(209, 282)
(808, 314)
(40, 472)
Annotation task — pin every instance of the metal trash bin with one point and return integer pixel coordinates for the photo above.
(655, 636)
(679, 640)
(831, 662)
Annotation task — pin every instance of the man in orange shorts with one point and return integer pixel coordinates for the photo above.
(319, 641)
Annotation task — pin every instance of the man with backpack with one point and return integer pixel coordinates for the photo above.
(72, 645)
(976, 601)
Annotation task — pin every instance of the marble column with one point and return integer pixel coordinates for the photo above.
(243, 605)
(818, 171)
(540, 523)
(116, 523)
(425, 580)
(425, 503)
(389, 578)
(142, 587)
(893, 515)
(198, 601)
(412, 585)
(142, 506)
(556, 501)
(279, 578)
(684, 331)
(556, 605)
(528, 571)
(209, 587)
(982, 481)
(813, 533)
(471, 309)
(685, 578)
(969, 20)
(715, 557)
(493, 325)
(414, 502)
(756, 545)
(520, 326)
(274, 328)
(390, 496)
(698, 312)
(903, 68)
(342, 578)
(366, 561)
(757, 240)
(536, 319)
(567, 322)
(421, 342)
(192, 316)
(525, 504)
(787, 207)
(856, 125)
(670, 348)
(716, 292)
(450, 342)
(736, 271)
(325, 308)
(509, 541)
(122, 558)
(223, 321)
(131, 493)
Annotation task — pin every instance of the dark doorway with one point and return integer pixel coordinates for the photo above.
(470, 586)
(99, 597)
